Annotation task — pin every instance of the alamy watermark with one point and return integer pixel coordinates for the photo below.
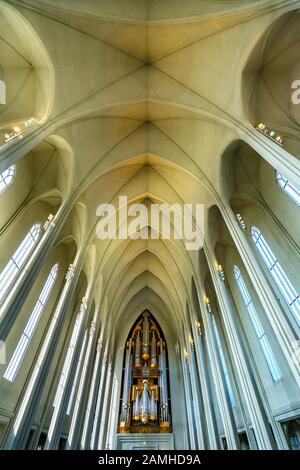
(139, 221)
(2, 352)
(2, 92)
(296, 94)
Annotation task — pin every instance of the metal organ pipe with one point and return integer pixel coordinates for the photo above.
(145, 403)
(163, 385)
(125, 415)
(136, 407)
(153, 351)
(137, 358)
(153, 407)
(145, 337)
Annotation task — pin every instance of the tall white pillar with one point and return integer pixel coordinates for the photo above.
(20, 425)
(207, 396)
(78, 410)
(105, 407)
(69, 369)
(253, 400)
(11, 307)
(279, 323)
(99, 402)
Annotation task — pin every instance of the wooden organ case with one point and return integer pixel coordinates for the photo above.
(145, 403)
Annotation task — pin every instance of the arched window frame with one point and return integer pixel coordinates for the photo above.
(18, 259)
(7, 178)
(288, 291)
(258, 328)
(291, 190)
(223, 361)
(28, 332)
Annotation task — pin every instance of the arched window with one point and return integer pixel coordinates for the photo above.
(17, 261)
(223, 362)
(20, 351)
(288, 291)
(7, 177)
(260, 333)
(288, 187)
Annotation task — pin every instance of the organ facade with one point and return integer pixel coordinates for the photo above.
(145, 401)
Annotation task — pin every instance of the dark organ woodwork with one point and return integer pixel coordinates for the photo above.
(145, 402)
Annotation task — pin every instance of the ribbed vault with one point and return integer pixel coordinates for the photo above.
(155, 103)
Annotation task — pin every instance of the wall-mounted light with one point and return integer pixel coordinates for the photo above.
(83, 305)
(49, 222)
(221, 272)
(279, 139)
(207, 303)
(198, 327)
(70, 272)
(191, 343)
(241, 221)
(13, 133)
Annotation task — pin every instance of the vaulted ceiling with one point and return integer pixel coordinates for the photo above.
(147, 95)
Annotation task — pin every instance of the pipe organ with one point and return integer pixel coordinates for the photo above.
(145, 402)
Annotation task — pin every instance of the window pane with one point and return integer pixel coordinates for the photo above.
(255, 320)
(7, 177)
(10, 271)
(20, 351)
(282, 281)
(288, 187)
(224, 366)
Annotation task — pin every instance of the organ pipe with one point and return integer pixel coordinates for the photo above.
(144, 405)
(125, 415)
(145, 337)
(153, 351)
(137, 361)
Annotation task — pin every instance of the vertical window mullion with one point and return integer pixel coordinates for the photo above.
(258, 328)
(22, 346)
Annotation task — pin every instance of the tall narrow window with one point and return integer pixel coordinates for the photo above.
(68, 360)
(288, 187)
(290, 295)
(7, 177)
(224, 366)
(18, 259)
(213, 376)
(260, 333)
(20, 351)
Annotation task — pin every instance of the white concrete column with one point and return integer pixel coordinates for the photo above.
(105, 407)
(20, 425)
(17, 148)
(189, 400)
(113, 412)
(98, 409)
(225, 404)
(11, 307)
(69, 369)
(273, 153)
(85, 442)
(279, 323)
(78, 410)
(196, 391)
(207, 396)
(253, 400)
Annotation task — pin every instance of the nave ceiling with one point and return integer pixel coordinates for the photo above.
(143, 99)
